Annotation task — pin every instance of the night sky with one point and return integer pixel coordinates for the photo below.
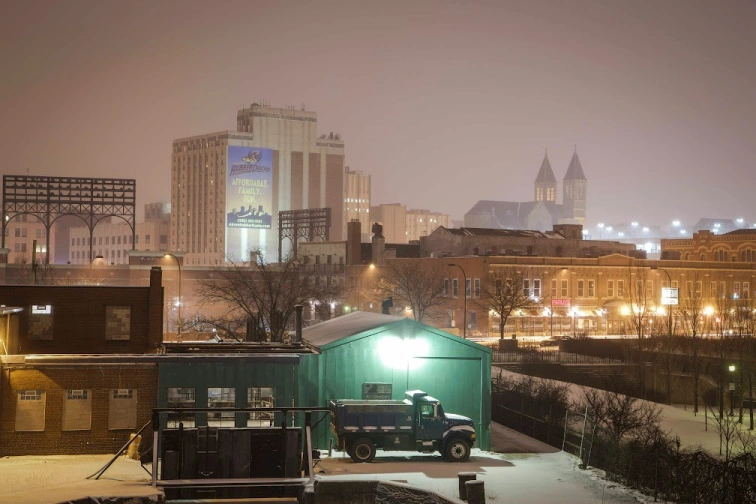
(443, 103)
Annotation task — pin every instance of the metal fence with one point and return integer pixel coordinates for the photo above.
(549, 356)
(657, 467)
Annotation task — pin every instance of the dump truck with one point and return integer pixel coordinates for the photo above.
(418, 423)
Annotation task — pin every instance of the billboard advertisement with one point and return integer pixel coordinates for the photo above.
(249, 187)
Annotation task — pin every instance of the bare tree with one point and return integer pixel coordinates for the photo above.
(418, 284)
(504, 292)
(264, 292)
(621, 415)
(693, 320)
(729, 430)
(640, 298)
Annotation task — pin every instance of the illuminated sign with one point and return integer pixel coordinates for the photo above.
(41, 309)
(560, 302)
(249, 187)
(669, 296)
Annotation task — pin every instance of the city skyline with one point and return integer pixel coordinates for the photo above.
(443, 104)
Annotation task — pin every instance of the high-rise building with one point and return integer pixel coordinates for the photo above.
(227, 188)
(424, 222)
(357, 200)
(393, 218)
(20, 234)
(112, 241)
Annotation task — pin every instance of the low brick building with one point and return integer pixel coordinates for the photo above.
(84, 319)
(67, 404)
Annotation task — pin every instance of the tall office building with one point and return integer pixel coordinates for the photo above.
(357, 200)
(227, 188)
(112, 239)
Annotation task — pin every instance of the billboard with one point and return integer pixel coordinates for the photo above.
(249, 187)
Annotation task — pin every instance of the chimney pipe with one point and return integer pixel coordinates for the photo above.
(298, 321)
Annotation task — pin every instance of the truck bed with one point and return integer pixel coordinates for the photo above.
(385, 416)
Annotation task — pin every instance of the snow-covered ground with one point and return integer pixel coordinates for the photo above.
(518, 469)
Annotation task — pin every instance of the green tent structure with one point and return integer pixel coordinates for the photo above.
(371, 355)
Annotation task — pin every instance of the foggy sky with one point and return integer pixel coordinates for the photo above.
(443, 103)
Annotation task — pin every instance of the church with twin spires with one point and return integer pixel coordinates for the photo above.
(543, 212)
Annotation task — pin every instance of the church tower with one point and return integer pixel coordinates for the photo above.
(545, 183)
(575, 187)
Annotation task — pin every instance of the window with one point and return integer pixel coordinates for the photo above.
(537, 287)
(260, 397)
(218, 397)
(472, 320)
(449, 318)
(649, 289)
(455, 287)
(526, 287)
(564, 292)
(620, 288)
(147, 239)
(553, 288)
(639, 289)
(77, 410)
(713, 289)
(476, 288)
(689, 288)
(722, 289)
(699, 288)
(446, 287)
(610, 288)
(30, 411)
(467, 287)
(41, 322)
(122, 409)
(736, 290)
(180, 398)
(581, 288)
(591, 288)
(118, 323)
(746, 288)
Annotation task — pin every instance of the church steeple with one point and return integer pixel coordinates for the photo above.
(545, 183)
(575, 187)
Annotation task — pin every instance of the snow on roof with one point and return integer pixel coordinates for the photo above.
(332, 330)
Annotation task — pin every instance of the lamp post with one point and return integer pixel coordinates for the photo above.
(464, 297)
(178, 263)
(669, 303)
(732, 386)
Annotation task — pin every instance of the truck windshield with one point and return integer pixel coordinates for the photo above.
(439, 410)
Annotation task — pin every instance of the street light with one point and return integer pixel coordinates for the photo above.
(178, 263)
(732, 386)
(464, 294)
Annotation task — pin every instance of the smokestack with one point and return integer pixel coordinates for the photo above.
(298, 322)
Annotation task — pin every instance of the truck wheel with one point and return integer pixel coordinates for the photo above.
(363, 450)
(457, 450)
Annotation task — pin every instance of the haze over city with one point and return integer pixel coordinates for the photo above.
(443, 103)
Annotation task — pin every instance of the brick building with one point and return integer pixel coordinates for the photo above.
(74, 404)
(735, 246)
(566, 240)
(85, 319)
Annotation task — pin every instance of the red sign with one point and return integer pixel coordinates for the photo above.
(560, 302)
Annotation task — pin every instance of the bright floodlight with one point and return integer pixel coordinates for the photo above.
(634, 223)
(676, 223)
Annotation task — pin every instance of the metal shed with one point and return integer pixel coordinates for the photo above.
(370, 348)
